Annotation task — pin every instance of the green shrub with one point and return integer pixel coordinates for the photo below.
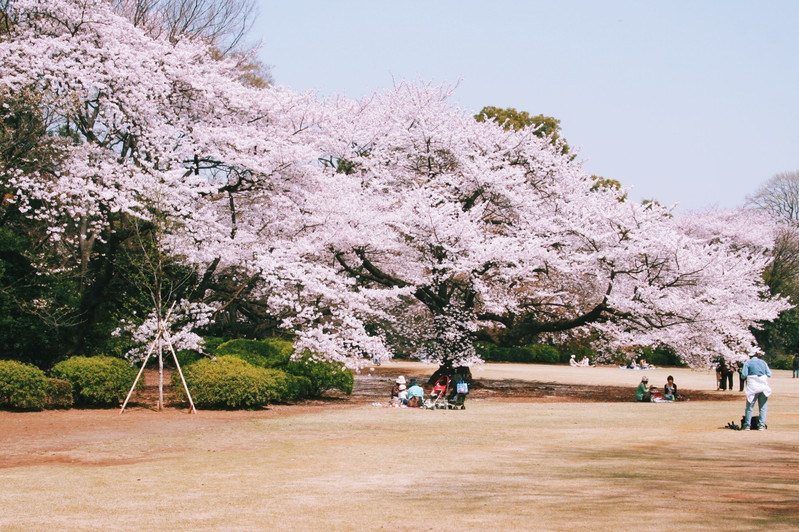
(270, 353)
(782, 362)
(97, 381)
(22, 385)
(230, 382)
(299, 387)
(59, 394)
(324, 375)
(578, 350)
(535, 353)
(186, 357)
(544, 354)
(661, 356)
(210, 346)
(495, 353)
(211, 343)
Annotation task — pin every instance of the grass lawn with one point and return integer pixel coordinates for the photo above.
(496, 465)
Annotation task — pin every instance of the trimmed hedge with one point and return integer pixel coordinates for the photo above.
(59, 394)
(97, 381)
(22, 386)
(323, 375)
(254, 373)
(211, 343)
(270, 353)
(230, 382)
(535, 353)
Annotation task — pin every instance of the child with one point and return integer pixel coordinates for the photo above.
(403, 394)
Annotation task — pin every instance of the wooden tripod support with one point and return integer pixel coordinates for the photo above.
(161, 336)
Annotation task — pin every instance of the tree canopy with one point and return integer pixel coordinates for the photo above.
(510, 118)
(779, 197)
(339, 219)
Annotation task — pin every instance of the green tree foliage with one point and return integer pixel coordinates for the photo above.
(510, 118)
(606, 183)
(35, 307)
(54, 300)
(779, 196)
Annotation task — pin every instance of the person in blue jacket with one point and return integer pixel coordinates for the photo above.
(756, 374)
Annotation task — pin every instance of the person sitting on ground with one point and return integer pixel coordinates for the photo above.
(403, 395)
(585, 362)
(415, 394)
(642, 392)
(670, 390)
(395, 389)
(573, 361)
(632, 364)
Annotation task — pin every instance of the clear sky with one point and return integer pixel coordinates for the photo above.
(694, 102)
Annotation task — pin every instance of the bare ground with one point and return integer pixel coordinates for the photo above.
(55, 436)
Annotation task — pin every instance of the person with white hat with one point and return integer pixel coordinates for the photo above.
(395, 390)
(642, 392)
(403, 394)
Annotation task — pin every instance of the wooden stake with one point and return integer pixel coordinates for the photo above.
(180, 372)
(141, 370)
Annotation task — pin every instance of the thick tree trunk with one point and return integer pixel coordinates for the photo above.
(446, 369)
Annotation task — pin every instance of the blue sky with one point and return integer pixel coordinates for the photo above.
(694, 102)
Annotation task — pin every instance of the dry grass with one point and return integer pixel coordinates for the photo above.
(511, 466)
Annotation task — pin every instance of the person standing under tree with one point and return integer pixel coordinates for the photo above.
(739, 366)
(795, 366)
(726, 374)
(756, 373)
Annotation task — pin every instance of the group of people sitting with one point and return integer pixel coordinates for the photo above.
(645, 393)
(410, 396)
(449, 391)
(584, 363)
(642, 364)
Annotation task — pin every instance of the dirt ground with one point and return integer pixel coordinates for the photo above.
(54, 436)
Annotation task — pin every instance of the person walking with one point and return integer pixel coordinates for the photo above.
(795, 367)
(756, 373)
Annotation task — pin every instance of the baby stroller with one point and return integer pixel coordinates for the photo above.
(458, 393)
(437, 397)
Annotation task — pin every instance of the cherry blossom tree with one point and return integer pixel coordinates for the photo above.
(151, 128)
(326, 216)
(503, 234)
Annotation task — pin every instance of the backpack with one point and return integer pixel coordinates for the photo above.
(755, 422)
